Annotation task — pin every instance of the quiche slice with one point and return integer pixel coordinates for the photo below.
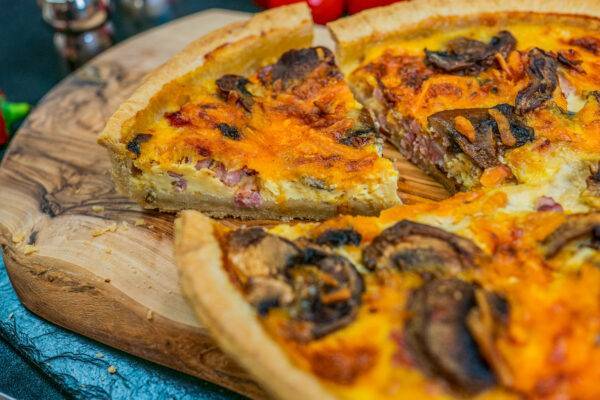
(249, 121)
(451, 300)
(483, 93)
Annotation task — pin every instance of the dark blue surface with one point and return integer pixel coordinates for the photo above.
(80, 367)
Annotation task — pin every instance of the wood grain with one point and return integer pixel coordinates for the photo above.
(85, 258)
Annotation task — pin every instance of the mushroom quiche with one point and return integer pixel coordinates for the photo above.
(250, 121)
(486, 93)
(491, 294)
(436, 300)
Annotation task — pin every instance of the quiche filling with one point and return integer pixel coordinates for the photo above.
(503, 102)
(449, 300)
(291, 131)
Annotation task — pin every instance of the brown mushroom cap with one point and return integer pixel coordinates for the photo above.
(494, 129)
(339, 237)
(576, 226)
(470, 57)
(233, 88)
(254, 252)
(321, 291)
(543, 72)
(328, 291)
(410, 246)
(294, 65)
(438, 338)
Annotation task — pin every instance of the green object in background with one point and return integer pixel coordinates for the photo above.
(10, 113)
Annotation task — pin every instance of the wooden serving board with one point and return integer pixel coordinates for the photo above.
(77, 252)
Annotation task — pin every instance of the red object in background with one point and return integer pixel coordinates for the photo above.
(3, 131)
(323, 11)
(355, 6)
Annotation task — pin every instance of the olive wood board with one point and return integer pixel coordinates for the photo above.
(120, 287)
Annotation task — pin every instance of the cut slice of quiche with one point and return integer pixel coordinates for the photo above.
(251, 122)
(460, 299)
(482, 98)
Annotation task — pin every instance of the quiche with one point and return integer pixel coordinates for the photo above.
(250, 121)
(493, 293)
(483, 93)
(456, 299)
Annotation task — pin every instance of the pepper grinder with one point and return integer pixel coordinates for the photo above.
(75, 15)
(82, 29)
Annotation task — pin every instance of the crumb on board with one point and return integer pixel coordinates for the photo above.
(29, 249)
(97, 209)
(107, 280)
(101, 231)
(112, 369)
(149, 315)
(18, 238)
(99, 355)
(108, 250)
(139, 222)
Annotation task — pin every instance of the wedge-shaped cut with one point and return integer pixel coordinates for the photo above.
(451, 300)
(251, 122)
(491, 96)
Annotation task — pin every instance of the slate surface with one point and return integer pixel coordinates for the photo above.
(80, 367)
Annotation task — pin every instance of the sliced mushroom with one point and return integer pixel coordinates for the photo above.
(134, 144)
(577, 226)
(294, 65)
(265, 293)
(593, 183)
(327, 290)
(255, 253)
(339, 237)
(470, 57)
(518, 133)
(410, 246)
(229, 131)
(481, 145)
(482, 133)
(363, 133)
(233, 87)
(487, 322)
(543, 72)
(358, 137)
(321, 291)
(438, 338)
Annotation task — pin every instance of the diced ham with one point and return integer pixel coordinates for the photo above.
(546, 203)
(232, 178)
(248, 197)
(179, 183)
(206, 163)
